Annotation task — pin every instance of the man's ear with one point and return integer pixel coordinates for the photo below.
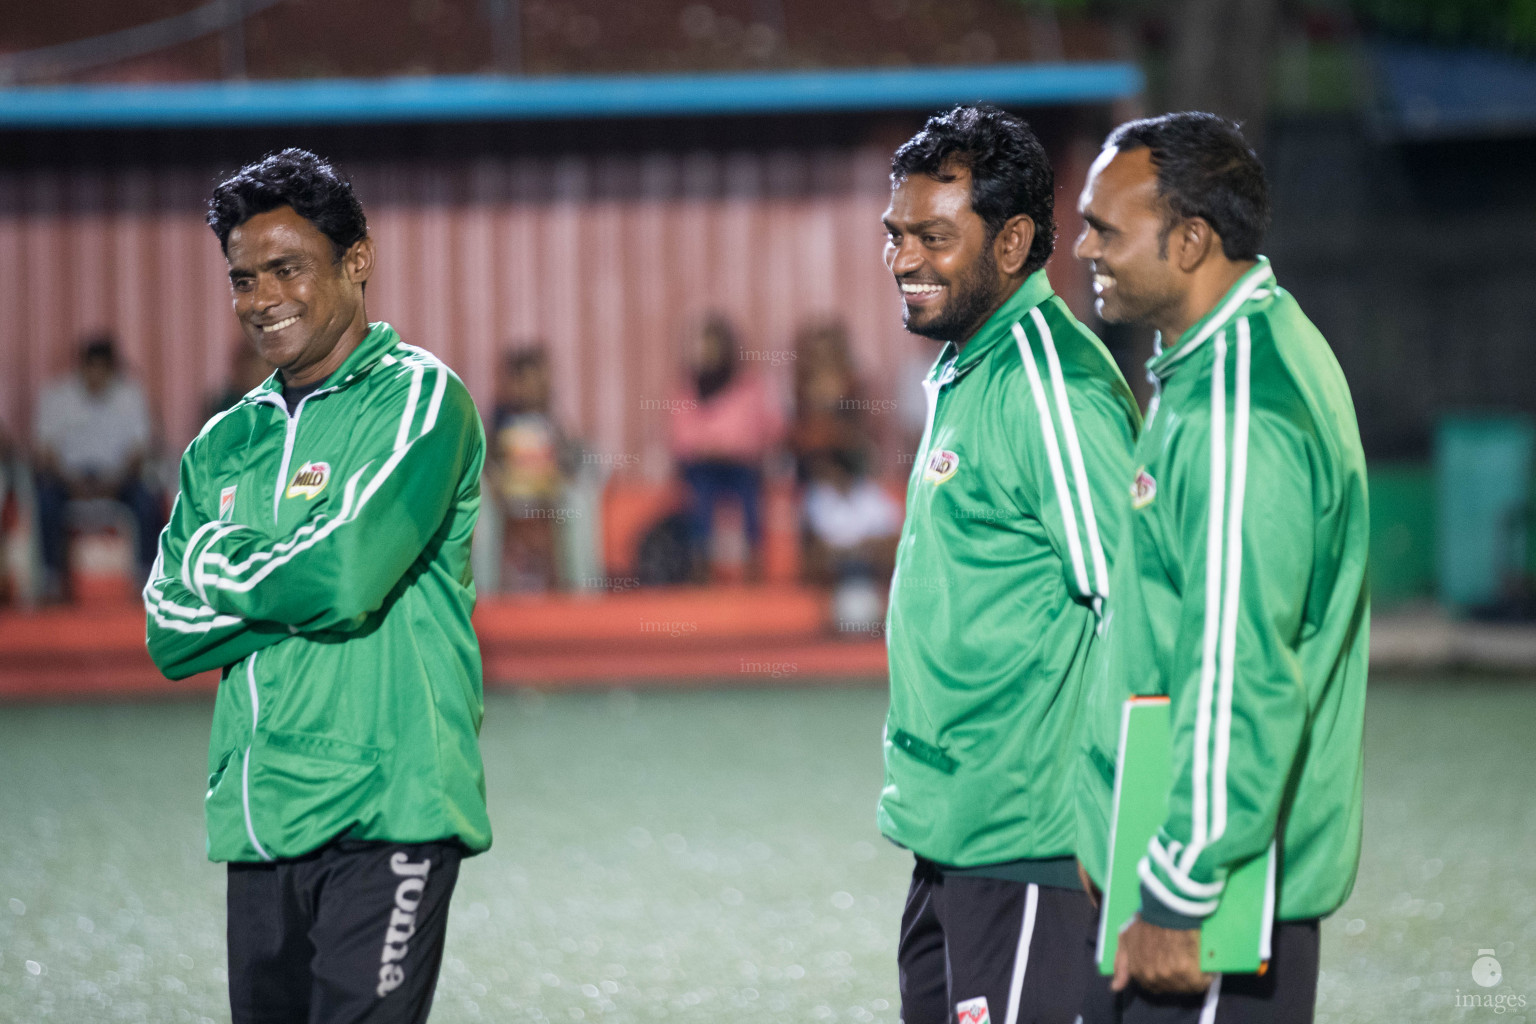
(1191, 242)
(1011, 246)
(357, 262)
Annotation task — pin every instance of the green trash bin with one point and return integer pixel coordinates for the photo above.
(1483, 485)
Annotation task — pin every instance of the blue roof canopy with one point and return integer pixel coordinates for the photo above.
(476, 98)
(1428, 92)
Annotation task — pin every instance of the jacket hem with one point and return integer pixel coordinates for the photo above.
(1057, 872)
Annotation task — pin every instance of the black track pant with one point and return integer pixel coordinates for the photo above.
(1286, 993)
(352, 933)
(991, 951)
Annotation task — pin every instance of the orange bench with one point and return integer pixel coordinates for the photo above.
(631, 506)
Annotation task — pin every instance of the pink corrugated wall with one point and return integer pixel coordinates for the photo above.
(608, 259)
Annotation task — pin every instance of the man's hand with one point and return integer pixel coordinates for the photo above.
(1159, 959)
(1088, 886)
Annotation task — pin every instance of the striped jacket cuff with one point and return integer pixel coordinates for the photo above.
(1154, 911)
(202, 543)
(1176, 896)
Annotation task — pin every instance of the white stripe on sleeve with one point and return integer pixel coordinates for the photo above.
(1170, 899)
(216, 570)
(1233, 583)
(1053, 456)
(1216, 496)
(1075, 452)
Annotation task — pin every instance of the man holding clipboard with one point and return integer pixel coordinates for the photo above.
(1000, 576)
(1239, 594)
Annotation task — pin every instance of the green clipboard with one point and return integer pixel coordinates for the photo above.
(1233, 940)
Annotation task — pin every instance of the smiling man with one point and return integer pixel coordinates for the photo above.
(1240, 587)
(1016, 497)
(318, 558)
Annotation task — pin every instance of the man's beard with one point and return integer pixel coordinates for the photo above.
(972, 298)
(1144, 298)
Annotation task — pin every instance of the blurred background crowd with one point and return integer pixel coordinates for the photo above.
(648, 238)
(763, 486)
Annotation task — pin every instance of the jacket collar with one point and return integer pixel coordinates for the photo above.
(381, 337)
(999, 326)
(1255, 286)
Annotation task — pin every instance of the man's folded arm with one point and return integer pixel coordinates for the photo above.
(184, 634)
(341, 565)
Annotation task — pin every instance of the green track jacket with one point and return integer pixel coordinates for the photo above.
(1240, 592)
(1017, 491)
(321, 561)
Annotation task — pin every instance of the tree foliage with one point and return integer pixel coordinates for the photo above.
(1506, 24)
(1509, 24)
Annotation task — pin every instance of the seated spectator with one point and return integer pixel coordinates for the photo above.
(851, 526)
(247, 371)
(90, 439)
(15, 491)
(529, 465)
(831, 414)
(723, 425)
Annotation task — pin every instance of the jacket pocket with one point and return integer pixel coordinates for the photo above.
(326, 748)
(924, 752)
(307, 789)
(218, 773)
(1102, 763)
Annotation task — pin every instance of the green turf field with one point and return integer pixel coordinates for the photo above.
(705, 856)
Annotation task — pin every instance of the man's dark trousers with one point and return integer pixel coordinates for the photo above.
(350, 934)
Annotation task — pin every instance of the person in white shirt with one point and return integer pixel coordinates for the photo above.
(851, 529)
(90, 437)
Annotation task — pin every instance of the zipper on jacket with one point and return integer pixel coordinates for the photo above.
(933, 384)
(290, 435)
(1153, 403)
(931, 392)
(245, 769)
(931, 389)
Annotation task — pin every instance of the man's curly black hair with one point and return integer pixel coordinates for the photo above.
(292, 177)
(1010, 173)
(1206, 169)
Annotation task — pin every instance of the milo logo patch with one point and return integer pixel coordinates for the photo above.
(941, 466)
(1143, 489)
(309, 480)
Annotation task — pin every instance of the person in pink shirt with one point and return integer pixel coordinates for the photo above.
(724, 423)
